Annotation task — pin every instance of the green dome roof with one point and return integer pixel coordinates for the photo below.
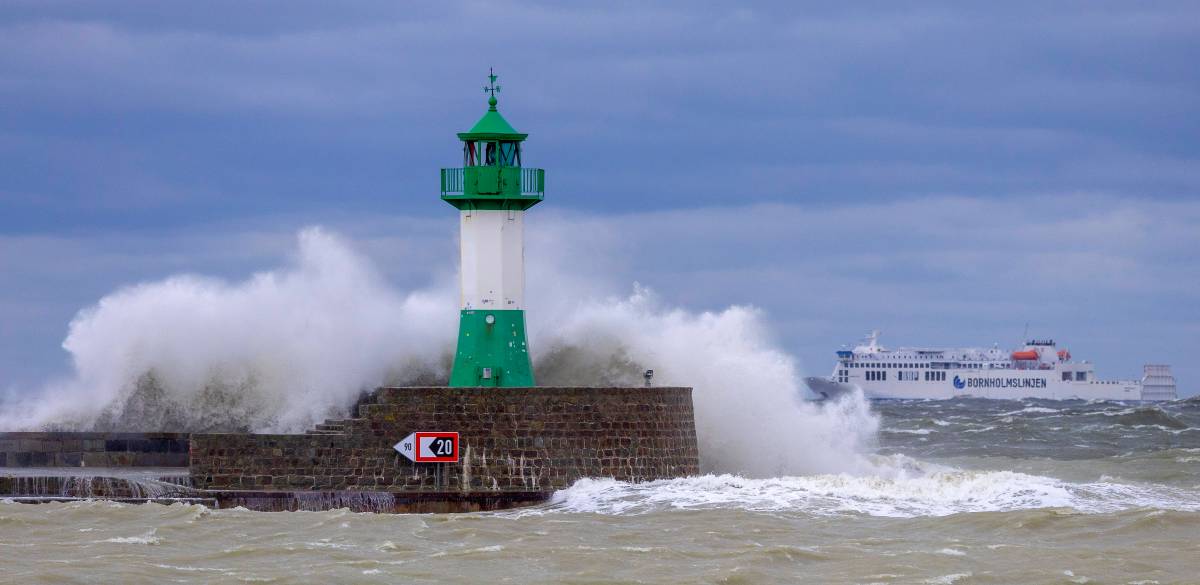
(492, 126)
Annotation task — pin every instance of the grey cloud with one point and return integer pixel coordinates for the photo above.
(689, 103)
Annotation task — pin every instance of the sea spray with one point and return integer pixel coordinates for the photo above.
(276, 352)
(287, 348)
(750, 416)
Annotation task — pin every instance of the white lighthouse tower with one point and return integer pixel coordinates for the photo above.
(492, 191)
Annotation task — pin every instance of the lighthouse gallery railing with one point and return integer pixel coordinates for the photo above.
(533, 181)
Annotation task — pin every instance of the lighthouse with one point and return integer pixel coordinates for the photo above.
(491, 191)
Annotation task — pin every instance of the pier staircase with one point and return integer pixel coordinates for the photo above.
(331, 427)
(342, 425)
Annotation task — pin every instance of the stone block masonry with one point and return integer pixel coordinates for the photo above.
(68, 449)
(512, 440)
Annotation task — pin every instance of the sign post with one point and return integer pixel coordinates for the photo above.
(429, 447)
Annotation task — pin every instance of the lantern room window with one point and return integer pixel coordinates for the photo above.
(510, 153)
(488, 153)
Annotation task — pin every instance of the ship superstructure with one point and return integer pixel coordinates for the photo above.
(1039, 369)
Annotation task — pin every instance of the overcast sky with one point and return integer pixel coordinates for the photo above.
(946, 173)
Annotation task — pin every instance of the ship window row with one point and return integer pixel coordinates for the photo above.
(935, 365)
(903, 376)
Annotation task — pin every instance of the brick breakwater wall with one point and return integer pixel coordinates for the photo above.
(521, 443)
(72, 449)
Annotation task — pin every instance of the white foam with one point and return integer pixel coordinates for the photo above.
(981, 430)
(147, 538)
(925, 491)
(193, 569)
(1032, 409)
(948, 579)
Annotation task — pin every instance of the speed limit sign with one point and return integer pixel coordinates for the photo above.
(429, 447)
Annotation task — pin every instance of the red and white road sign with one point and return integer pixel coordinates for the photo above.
(429, 447)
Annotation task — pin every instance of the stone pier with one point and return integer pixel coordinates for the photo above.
(68, 449)
(517, 446)
(513, 441)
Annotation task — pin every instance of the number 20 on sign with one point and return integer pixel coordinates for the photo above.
(429, 447)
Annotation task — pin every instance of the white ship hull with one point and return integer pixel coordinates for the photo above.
(1005, 387)
(1039, 370)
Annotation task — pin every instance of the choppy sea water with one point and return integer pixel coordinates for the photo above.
(968, 492)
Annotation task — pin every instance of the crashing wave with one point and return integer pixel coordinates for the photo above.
(287, 348)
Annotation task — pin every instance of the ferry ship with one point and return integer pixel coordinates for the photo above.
(1037, 370)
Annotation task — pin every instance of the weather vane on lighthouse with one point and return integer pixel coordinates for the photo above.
(491, 192)
(491, 87)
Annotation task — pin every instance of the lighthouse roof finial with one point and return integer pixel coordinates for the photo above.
(491, 88)
(492, 126)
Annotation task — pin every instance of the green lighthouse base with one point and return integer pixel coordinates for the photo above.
(492, 350)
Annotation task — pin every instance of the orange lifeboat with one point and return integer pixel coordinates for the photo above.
(1064, 355)
(1028, 354)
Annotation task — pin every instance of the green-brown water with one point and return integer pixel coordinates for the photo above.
(967, 492)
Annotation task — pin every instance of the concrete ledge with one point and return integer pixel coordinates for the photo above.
(211, 503)
(387, 502)
(169, 486)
